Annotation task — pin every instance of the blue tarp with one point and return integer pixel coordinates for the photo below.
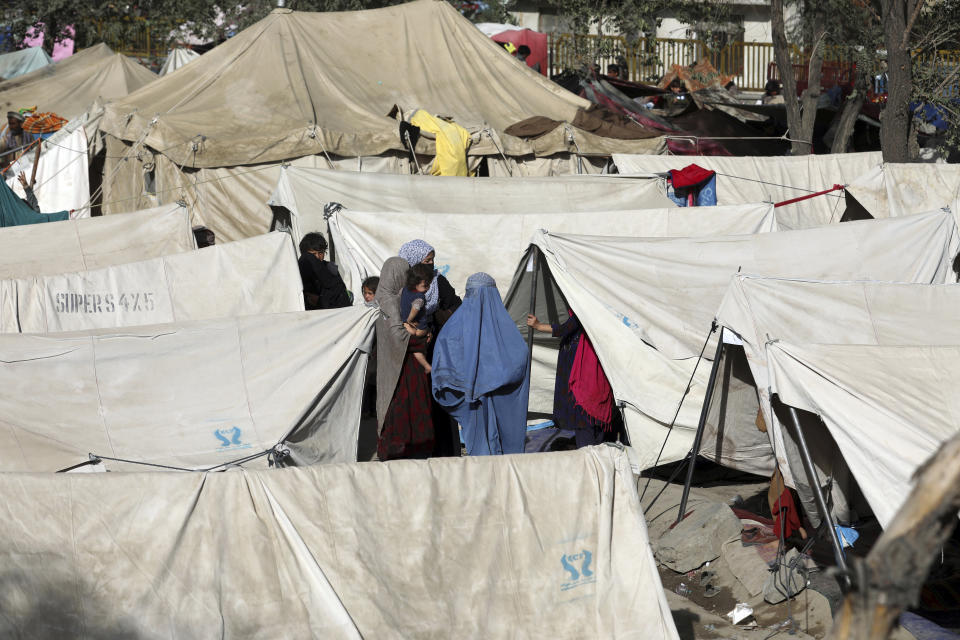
(14, 211)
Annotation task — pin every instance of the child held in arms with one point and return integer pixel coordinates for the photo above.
(412, 302)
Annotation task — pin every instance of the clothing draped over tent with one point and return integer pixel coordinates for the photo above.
(589, 383)
(480, 371)
(693, 186)
(452, 142)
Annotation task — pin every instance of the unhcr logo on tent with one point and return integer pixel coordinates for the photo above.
(576, 566)
(444, 269)
(231, 438)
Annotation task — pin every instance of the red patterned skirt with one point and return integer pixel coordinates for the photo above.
(408, 430)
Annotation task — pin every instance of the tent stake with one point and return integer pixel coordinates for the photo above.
(817, 492)
(702, 424)
(534, 258)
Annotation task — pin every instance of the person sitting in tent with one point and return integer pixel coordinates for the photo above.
(13, 139)
(480, 372)
(323, 287)
(772, 93)
(404, 412)
(582, 397)
(369, 288)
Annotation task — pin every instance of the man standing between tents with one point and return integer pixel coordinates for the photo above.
(323, 287)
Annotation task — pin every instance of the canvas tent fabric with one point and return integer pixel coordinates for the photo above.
(15, 212)
(176, 59)
(771, 179)
(305, 192)
(254, 276)
(17, 63)
(758, 309)
(286, 76)
(493, 242)
(231, 201)
(188, 395)
(62, 178)
(92, 243)
(893, 189)
(559, 550)
(889, 408)
(70, 86)
(648, 304)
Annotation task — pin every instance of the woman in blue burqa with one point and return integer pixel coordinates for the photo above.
(480, 371)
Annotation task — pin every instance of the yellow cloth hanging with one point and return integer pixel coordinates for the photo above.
(452, 142)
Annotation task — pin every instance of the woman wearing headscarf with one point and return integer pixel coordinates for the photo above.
(480, 371)
(582, 397)
(441, 301)
(403, 387)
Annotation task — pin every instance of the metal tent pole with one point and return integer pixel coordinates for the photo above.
(535, 258)
(817, 492)
(702, 424)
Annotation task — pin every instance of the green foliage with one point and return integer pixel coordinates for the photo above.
(120, 24)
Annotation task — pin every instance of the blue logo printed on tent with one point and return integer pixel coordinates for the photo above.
(230, 438)
(444, 269)
(577, 565)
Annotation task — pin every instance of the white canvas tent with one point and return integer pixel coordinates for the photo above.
(889, 408)
(305, 192)
(258, 275)
(17, 63)
(904, 189)
(758, 310)
(187, 395)
(771, 179)
(70, 86)
(334, 115)
(551, 546)
(176, 59)
(493, 242)
(93, 243)
(648, 305)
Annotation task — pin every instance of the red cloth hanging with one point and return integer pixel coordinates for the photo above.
(589, 383)
(690, 176)
(785, 508)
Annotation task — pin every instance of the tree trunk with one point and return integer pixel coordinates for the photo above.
(889, 579)
(811, 96)
(895, 119)
(781, 51)
(848, 120)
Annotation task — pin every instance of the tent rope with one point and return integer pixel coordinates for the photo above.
(713, 329)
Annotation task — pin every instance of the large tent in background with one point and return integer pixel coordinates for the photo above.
(757, 310)
(176, 59)
(648, 305)
(253, 276)
(70, 86)
(888, 408)
(904, 189)
(282, 89)
(770, 179)
(187, 395)
(305, 193)
(365, 239)
(92, 243)
(17, 63)
(551, 546)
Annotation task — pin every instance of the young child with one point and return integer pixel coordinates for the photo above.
(412, 302)
(369, 288)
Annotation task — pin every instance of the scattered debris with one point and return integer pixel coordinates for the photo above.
(740, 612)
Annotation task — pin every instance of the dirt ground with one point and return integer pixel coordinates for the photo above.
(697, 616)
